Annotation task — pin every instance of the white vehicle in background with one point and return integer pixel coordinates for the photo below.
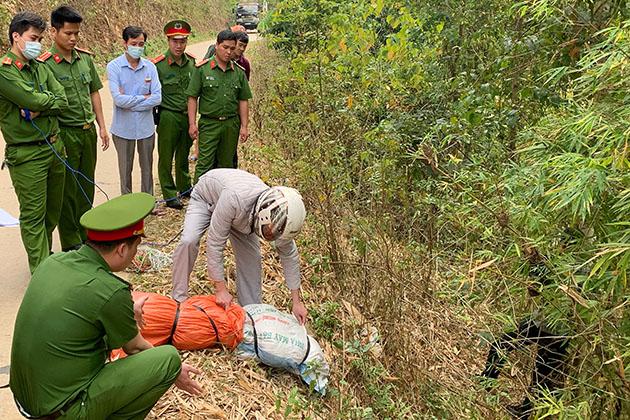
(248, 15)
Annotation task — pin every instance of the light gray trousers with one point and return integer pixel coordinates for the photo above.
(246, 251)
(125, 149)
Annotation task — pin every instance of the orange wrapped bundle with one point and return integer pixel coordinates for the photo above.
(202, 324)
(159, 317)
(195, 324)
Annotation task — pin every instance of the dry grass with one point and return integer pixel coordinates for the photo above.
(438, 342)
(233, 388)
(430, 354)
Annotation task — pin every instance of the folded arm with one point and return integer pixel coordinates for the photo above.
(22, 94)
(121, 100)
(60, 103)
(154, 97)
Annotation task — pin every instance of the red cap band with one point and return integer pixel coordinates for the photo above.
(116, 235)
(174, 31)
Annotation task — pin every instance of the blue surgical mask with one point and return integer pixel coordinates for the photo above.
(31, 50)
(135, 52)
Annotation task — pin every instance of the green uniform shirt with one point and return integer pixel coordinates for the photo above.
(31, 86)
(218, 91)
(174, 79)
(73, 311)
(79, 79)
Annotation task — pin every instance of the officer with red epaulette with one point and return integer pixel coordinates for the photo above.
(74, 68)
(30, 101)
(175, 68)
(222, 91)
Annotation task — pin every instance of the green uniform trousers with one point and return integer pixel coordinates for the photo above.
(78, 192)
(128, 388)
(218, 141)
(38, 178)
(173, 142)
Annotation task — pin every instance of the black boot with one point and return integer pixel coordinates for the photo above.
(174, 203)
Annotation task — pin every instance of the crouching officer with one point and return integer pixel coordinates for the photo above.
(74, 311)
(30, 100)
(175, 68)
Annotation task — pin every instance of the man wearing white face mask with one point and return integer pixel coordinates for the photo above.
(136, 89)
(30, 100)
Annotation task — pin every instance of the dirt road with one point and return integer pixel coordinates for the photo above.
(14, 275)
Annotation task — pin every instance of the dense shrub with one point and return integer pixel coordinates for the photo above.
(453, 152)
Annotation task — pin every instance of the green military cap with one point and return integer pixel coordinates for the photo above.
(177, 29)
(119, 218)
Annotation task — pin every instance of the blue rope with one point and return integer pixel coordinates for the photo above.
(74, 172)
(166, 200)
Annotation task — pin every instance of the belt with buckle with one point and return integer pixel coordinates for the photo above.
(85, 126)
(51, 140)
(222, 118)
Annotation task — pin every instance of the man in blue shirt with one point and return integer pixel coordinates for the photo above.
(136, 89)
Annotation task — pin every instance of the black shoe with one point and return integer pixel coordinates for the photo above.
(174, 203)
(185, 194)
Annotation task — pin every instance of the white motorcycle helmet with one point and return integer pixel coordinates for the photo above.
(279, 214)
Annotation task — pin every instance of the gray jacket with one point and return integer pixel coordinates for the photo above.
(231, 196)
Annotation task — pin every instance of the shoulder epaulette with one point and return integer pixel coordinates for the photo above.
(202, 62)
(7, 61)
(193, 56)
(84, 51)
(239, 66)
(45, 56)
(158, 58)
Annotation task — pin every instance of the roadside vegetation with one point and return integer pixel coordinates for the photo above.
(466, 166)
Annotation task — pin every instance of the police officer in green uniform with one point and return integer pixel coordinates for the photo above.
(175, 68)
(28, 90)
(74, 311)
(223, 92)
(75, 70)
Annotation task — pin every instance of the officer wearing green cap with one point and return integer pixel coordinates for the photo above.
(30, 100)
(223, 92)
(175, 68)
(74, 68)
(75, 310)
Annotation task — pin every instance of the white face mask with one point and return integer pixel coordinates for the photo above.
(135, 52)
(31, 50)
